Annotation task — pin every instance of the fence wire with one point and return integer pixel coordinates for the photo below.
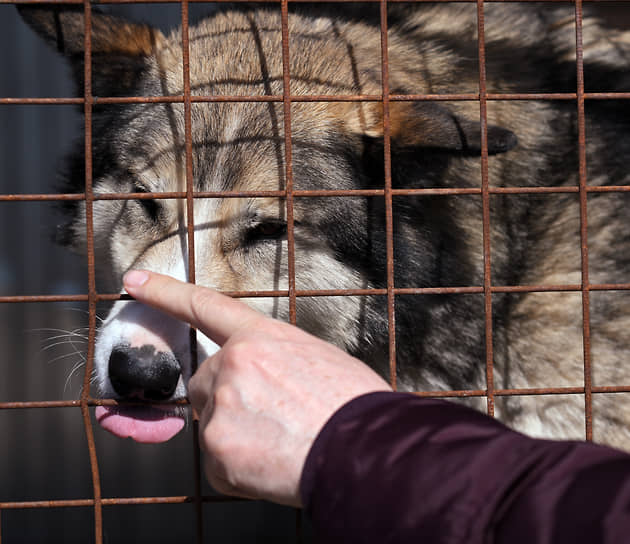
(92, 296)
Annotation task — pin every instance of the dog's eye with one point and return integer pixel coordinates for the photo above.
(266, 230)
(149, 205)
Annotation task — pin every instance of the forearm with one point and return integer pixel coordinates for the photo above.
(396, 468)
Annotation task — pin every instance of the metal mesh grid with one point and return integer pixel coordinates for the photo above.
(93, 296)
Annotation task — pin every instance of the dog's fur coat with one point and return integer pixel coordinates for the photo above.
(340, 242)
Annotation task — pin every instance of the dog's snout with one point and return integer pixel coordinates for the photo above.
(143, 373)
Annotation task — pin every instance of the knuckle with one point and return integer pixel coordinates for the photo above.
(217, 443)
(239, 354)
(225, 397)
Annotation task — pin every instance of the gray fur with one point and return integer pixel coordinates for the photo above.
(340, 242)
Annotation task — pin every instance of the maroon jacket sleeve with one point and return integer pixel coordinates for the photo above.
(395, 468)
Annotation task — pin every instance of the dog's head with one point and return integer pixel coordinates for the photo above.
(240, 242)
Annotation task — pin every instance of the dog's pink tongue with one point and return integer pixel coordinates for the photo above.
(142, 423)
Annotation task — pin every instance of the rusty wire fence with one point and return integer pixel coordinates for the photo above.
(63, 481)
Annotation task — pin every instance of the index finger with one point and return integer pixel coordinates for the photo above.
(214, 314)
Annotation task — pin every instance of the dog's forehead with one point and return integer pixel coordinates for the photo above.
(241, 54)
(240, 146)
(234, 147)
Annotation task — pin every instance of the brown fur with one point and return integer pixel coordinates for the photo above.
(339, 145)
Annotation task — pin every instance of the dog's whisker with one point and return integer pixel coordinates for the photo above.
(71, 342)
(64, 332)
(74, 338)
(64, 356)
(71, 338)
(68, 336)
(75, 368)
(86, 312)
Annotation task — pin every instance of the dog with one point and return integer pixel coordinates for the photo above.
(241, 244)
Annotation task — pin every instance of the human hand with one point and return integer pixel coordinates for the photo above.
(264, 396)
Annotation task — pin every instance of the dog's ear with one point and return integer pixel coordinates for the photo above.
(430, 125)
(119, 49)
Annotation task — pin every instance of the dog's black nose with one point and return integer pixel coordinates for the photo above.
(143, 373)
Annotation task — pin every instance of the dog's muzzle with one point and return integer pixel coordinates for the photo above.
(147, 375)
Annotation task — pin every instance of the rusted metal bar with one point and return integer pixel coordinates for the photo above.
(588, 406)
(485, 201)
(40, 404)
(92, 294)
(288, 163)
(41, 197)
(188, 167)
(20, 405)
(179, 99)
(20, 299)
(40, 101)
(389, 213)
(118, 501)
(288, 157)
(305, 193)
(523, 391)
(527, 391)
(189, 247)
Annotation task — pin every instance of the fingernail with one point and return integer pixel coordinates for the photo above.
(135, 278)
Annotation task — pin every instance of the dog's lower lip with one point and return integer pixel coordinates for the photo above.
(143, 423)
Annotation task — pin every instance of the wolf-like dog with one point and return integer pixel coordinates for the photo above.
(340, 241)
